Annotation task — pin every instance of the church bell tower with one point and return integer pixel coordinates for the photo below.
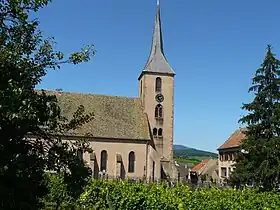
(156, 90)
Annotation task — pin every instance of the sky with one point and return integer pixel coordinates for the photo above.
(214, 47)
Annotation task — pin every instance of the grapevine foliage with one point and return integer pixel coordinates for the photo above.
(126, 196)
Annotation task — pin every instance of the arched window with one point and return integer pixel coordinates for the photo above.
(131, 162)
(158, 84)
(159, 111)
(80, 154)
(154, 131)
(103, 160)
(160, 132)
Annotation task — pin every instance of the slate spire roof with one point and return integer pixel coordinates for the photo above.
(157, 63)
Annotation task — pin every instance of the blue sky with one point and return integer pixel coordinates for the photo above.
(214, 47)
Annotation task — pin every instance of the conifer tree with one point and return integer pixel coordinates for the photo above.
(259, 160)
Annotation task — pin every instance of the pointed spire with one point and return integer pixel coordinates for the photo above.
(157, 62)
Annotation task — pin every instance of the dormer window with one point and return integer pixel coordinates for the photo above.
(158, 84)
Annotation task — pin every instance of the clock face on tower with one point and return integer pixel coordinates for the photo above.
(159, 98)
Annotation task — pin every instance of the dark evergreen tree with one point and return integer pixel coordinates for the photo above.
(25, 57)
(259, 160)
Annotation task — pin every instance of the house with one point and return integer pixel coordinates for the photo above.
(183, 172)
(228, 153)
(206, 170)
(131, 137)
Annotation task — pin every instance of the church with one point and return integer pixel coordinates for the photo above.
(131, 137)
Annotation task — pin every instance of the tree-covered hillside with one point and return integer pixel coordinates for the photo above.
(187, 152)
(191, 156)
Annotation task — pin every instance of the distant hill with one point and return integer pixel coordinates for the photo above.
(187, 152)
(190, 156)
(179, 147)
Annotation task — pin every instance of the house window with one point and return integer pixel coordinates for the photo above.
(233, 156)
(158, 84)
(103, 160)
(154, 131)
(224, 172)
(160, 132)
(226, 157)
(221, 156)
(159, 111)
(131, 162)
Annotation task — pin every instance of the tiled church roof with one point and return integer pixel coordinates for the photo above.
(234, 140)
(114, 116)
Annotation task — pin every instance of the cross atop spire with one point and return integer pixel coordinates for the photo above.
(157, 62)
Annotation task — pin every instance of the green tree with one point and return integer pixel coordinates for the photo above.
(30, 121)
(259, 161)
(58, 190)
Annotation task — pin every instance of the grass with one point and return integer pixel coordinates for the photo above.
(187, 161)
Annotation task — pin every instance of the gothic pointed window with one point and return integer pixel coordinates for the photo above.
(103, 160)
(159, 111)
(154, 131)
(160, 132)
(131, 162)
(158, 84)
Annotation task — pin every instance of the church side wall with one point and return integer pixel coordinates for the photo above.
(117, 150)
(121, 149)
(154, 165)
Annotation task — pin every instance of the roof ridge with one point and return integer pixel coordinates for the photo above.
(81, 93)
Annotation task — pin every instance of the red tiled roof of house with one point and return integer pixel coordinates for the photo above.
(234, 140)
(199, 166)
